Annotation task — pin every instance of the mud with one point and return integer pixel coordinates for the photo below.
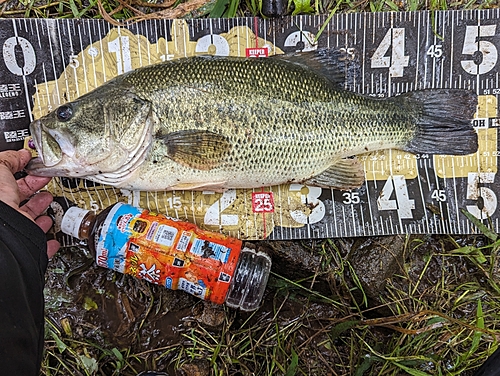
(374, 260)
(308, 301)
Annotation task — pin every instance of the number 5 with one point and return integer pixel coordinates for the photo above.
(487, 49)
(488, 196)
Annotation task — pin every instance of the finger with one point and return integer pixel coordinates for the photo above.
(52, 248)
(44, 222)
(37, 204)
(11, 161)
(9, 191)
(30, 184)
(15, 160)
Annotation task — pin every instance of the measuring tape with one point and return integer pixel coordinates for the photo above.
(47, 62)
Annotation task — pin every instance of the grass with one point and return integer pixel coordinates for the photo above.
(438, 316)
(114, 10)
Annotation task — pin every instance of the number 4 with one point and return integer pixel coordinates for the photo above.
(403, 204)
(394, 38)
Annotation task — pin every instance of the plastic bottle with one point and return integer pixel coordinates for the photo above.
(176, 254)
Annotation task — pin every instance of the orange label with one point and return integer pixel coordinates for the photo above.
(164, 251)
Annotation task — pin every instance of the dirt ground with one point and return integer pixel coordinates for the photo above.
(389, 305)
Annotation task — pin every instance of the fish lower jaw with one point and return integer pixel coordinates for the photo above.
(62, 169)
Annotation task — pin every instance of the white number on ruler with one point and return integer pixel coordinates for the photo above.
(174, 202)
(94, 206)
(214, 215)
(263, 205)
(486, 48)
(121, 48)
(304, 37)
(488, 196)
(9, 56)
(403, 204)
(351, 198)
(435, 51)
(220, 43)
(394, 38)
(311, 199)
(73, 61)
(438, 195)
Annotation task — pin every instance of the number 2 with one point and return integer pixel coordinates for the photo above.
(214, 215)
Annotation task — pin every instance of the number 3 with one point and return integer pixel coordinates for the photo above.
(311, 198)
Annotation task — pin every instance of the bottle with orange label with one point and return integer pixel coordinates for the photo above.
(172, 253)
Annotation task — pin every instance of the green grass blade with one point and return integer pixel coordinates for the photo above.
(219, 8)
(480, 225)
(412, 371)
(292, 368)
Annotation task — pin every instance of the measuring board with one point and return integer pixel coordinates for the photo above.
(45, 63)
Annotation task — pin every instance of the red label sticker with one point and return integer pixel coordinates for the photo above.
(262, 202)
(257, 52)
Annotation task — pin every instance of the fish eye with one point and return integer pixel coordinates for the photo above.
(64, 112)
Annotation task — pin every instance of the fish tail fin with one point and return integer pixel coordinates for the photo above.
(443, 122)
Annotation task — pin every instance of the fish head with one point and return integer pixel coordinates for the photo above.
(103, 131)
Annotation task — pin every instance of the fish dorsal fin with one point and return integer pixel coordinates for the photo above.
(199, 149)
(344, 174)
(335, 65)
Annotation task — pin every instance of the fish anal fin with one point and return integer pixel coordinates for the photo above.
(199, 149)
(344, 174)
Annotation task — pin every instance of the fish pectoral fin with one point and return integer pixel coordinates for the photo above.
(212, 186)
(199, 149)
(344, 174)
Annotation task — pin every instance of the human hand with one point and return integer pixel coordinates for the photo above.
(13, 192)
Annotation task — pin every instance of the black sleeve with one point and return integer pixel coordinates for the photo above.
(23, 261)
(492, 365)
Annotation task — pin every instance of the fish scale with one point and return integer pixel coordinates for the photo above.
(397, 52)
(208, 129)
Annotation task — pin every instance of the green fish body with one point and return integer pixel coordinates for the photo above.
(222, 122)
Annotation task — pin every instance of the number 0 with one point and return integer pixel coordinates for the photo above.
(9, 56)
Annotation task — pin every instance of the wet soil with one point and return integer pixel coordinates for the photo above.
(312, 299)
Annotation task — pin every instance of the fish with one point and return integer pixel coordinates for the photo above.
(217, 123)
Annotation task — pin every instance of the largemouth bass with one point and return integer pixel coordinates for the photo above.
(212, 123)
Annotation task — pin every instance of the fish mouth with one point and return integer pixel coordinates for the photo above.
(36, 167)
(52, 149)
(49, 150)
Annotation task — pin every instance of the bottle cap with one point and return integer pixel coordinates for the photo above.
(250, 280)
(72, 220)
